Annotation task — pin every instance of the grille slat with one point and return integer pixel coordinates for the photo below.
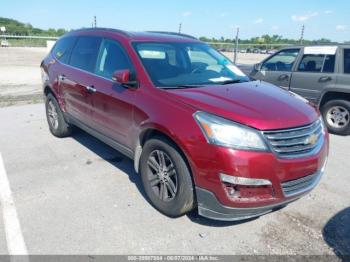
(299, 181)
(291, 142)
(285, 134)
(294, 142)
(300, 185)
(295, 148)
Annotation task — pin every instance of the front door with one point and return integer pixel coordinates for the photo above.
(112, 104)
(278, 68)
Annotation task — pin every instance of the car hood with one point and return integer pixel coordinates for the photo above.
(257, 104)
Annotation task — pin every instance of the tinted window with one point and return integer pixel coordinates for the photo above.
(111, 58)
(329, 64)
(282, 61)
(85, 53)
(317, 63)
(178, 64)
(63, 49)
(347, 61)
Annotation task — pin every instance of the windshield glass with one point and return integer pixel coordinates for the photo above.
(191, 64)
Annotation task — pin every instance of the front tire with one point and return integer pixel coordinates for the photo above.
(54, 115)
(166, 178)
(336, 114)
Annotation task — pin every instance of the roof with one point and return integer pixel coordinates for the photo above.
(142, 36)
(323, 45)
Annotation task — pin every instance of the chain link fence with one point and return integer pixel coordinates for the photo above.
(247, 48)
(26, 41)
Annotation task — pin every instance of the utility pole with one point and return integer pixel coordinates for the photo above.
(236, 47)
(95, 23)
(180, 25)
(302, 34)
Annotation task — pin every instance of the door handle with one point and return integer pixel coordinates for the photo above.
(283, 77)
(90, 89)
(325, 79)
(61, 78)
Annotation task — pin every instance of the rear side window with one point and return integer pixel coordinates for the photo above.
(317, 63)
(63, 48)
(282, 61)
(85, 53)
(111, 58)
(347, 61)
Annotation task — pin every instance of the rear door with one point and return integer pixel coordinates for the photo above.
(343, 78)
(58, 68)
(315, 72)
(278, 68)
(79, 79)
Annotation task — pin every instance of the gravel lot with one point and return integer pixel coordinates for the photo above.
(79, 196)
(20, 79)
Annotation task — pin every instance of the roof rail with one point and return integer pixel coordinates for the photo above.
(172, 33)
(102, 29)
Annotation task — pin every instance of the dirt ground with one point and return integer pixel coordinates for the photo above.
(246, 59)
(20, 80)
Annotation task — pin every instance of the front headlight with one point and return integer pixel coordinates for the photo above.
(220, 131)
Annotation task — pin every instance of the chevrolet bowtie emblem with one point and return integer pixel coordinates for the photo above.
(312, 139)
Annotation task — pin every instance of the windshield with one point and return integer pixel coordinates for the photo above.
(186, 64)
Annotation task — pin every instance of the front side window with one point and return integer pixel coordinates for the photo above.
(282, 61)
(317, 63)
(63, 48)
(347, 61)
(111, 58)
(85, 53)
(179, 64)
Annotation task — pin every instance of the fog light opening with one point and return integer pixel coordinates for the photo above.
(248, 189)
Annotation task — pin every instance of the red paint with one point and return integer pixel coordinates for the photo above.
(125, 113)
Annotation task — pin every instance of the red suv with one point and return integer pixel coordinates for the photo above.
(200, 132)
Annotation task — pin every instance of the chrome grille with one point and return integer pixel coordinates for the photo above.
(296, 142)
(300, 185)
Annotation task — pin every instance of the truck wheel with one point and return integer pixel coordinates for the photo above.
(57, 124)
(336, 114)
(166, 178)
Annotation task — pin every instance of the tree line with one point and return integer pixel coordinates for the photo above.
(14, 27)
(270, 40)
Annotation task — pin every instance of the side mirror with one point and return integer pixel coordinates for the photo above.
(257, 67)
(123, 77)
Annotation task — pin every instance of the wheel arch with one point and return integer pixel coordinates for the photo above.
(48, 90)
(151, 132)
(332, 95)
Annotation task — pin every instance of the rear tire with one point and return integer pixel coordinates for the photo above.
(54, 115)
(166, 178)
(336, 115)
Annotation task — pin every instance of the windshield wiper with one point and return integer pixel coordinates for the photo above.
(231, 81)
(182, 86)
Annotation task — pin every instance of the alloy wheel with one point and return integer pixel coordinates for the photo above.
(162, 175)
(52, 114)
(338, 117)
